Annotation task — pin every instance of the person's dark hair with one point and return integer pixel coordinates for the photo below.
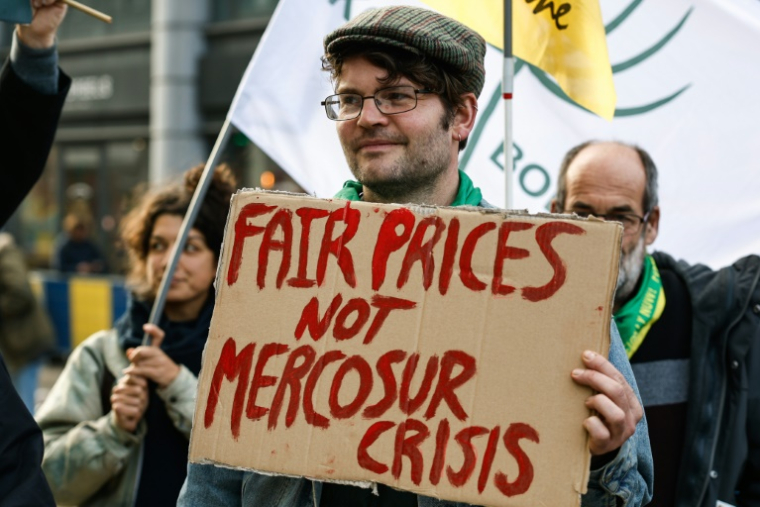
(650, 199)
(398, 63)
(137, 225)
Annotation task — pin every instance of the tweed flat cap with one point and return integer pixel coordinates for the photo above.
(420, 31)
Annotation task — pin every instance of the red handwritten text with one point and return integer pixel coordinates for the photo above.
(403, 236)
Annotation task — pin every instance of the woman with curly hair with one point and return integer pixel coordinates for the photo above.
(117, 422)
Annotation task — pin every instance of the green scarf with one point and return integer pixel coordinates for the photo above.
(636, 316)
(467, 195)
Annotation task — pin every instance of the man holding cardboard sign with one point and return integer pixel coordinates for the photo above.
(423, 73)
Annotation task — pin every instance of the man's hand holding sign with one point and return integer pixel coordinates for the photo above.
(617, 408)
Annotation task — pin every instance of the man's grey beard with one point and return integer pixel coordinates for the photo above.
(631, 265)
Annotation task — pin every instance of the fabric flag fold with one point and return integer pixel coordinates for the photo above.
(566, 39)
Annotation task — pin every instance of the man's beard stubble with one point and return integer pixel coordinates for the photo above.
(629, 272)
(414, 173)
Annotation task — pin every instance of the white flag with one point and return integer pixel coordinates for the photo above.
(685, 74)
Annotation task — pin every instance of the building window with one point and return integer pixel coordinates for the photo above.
(228, 10)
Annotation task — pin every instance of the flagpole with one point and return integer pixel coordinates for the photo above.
(187, 223)
(507, 87)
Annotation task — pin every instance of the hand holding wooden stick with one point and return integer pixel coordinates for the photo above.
(88, 10)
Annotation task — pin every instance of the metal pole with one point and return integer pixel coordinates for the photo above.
(187, 224)
(507, 87)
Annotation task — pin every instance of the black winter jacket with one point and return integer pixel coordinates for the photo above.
(28, 121)
(721, 458)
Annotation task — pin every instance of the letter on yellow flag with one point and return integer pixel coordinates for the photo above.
(565, 38)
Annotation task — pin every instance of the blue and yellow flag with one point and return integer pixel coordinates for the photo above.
(16, 11)
(565, 38)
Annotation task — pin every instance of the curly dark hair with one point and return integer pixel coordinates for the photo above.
(448, 83)
(137, 225)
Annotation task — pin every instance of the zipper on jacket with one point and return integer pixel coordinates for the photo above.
(715, 435)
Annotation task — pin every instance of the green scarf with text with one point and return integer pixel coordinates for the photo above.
(467, 195)
(636, 316)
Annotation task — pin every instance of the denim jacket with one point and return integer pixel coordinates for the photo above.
(626, 480)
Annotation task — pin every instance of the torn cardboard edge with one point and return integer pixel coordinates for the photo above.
(421, 208)
(359, 484)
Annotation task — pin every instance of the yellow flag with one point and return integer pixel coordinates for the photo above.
(565, 38)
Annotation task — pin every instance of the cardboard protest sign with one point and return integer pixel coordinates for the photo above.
(429, 349)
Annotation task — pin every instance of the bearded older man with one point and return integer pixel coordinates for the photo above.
(692, 335)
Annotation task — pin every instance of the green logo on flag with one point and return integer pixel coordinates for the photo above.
(347, 11)
(620, 67)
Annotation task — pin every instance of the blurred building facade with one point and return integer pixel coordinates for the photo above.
(149, 95)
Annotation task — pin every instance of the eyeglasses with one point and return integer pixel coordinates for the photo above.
(631, 221)
(391, 100)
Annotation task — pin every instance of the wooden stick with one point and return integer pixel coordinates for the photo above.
(88, 10)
